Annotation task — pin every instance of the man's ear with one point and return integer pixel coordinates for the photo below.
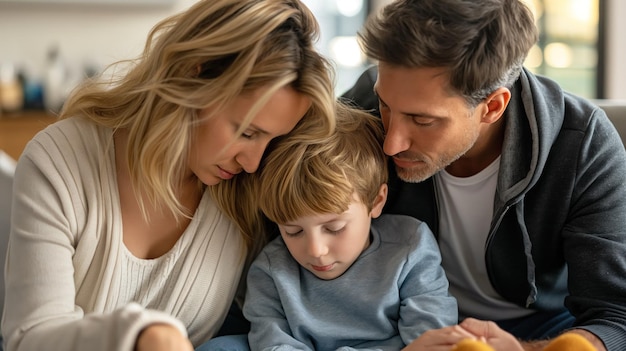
(379, 201)
(496, 103)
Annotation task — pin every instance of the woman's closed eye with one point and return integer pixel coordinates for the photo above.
(248, 134)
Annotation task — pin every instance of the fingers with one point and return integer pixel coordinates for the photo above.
(440, 339)
(461, 332)
(493, 335)
(162, 337)
(479, 328)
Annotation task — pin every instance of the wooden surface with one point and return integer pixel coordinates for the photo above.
(17, 129)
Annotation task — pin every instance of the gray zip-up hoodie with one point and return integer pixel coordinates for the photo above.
(558, 234)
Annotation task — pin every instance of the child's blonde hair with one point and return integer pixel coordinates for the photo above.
(300, 178)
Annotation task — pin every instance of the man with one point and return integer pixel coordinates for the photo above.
(522, 183)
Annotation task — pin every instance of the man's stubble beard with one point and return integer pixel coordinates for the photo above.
(419, 174)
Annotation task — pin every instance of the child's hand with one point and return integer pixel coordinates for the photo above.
(490, 333)
(439, 339)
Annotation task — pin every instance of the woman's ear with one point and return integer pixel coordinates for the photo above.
(379, 201)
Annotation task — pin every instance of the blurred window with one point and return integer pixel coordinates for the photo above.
(569, 47)
(339, 22)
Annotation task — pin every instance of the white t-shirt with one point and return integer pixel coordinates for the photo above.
(465, 214)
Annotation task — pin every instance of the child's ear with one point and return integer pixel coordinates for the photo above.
(379, 202)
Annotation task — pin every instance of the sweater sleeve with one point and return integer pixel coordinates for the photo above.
(269, 328)
(40, 308)
(425, 301)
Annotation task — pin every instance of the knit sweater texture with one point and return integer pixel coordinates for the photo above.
(71, 282)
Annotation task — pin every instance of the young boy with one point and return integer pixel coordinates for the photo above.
(340, 275)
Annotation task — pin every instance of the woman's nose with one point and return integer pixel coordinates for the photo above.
(250, 158)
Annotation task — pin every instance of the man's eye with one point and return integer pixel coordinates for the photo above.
(422, 122)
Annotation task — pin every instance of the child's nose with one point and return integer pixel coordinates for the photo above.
(317, 247)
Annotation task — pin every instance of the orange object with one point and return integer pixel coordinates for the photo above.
(569, 342)
(472, 345)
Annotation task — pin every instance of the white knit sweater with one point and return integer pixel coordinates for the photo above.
(71, 282)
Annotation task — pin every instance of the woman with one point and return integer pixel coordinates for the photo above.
(129, 228)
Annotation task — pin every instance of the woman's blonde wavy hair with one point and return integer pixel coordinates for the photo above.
(206, 57)
(299, 178)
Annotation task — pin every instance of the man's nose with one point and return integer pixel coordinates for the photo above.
(396, 136)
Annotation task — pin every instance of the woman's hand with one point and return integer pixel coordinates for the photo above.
(162, 337)
(439, 339)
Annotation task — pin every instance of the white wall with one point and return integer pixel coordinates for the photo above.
(97, 35)
(87, 33)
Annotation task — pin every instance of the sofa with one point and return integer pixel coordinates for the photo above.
(616, 111)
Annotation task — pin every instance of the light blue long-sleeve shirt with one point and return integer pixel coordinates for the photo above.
(394, 291)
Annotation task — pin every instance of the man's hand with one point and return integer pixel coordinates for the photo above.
(503, 341)
(162, 337)
(445, 338)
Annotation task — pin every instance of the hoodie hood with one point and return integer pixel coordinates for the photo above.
(528, 140)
